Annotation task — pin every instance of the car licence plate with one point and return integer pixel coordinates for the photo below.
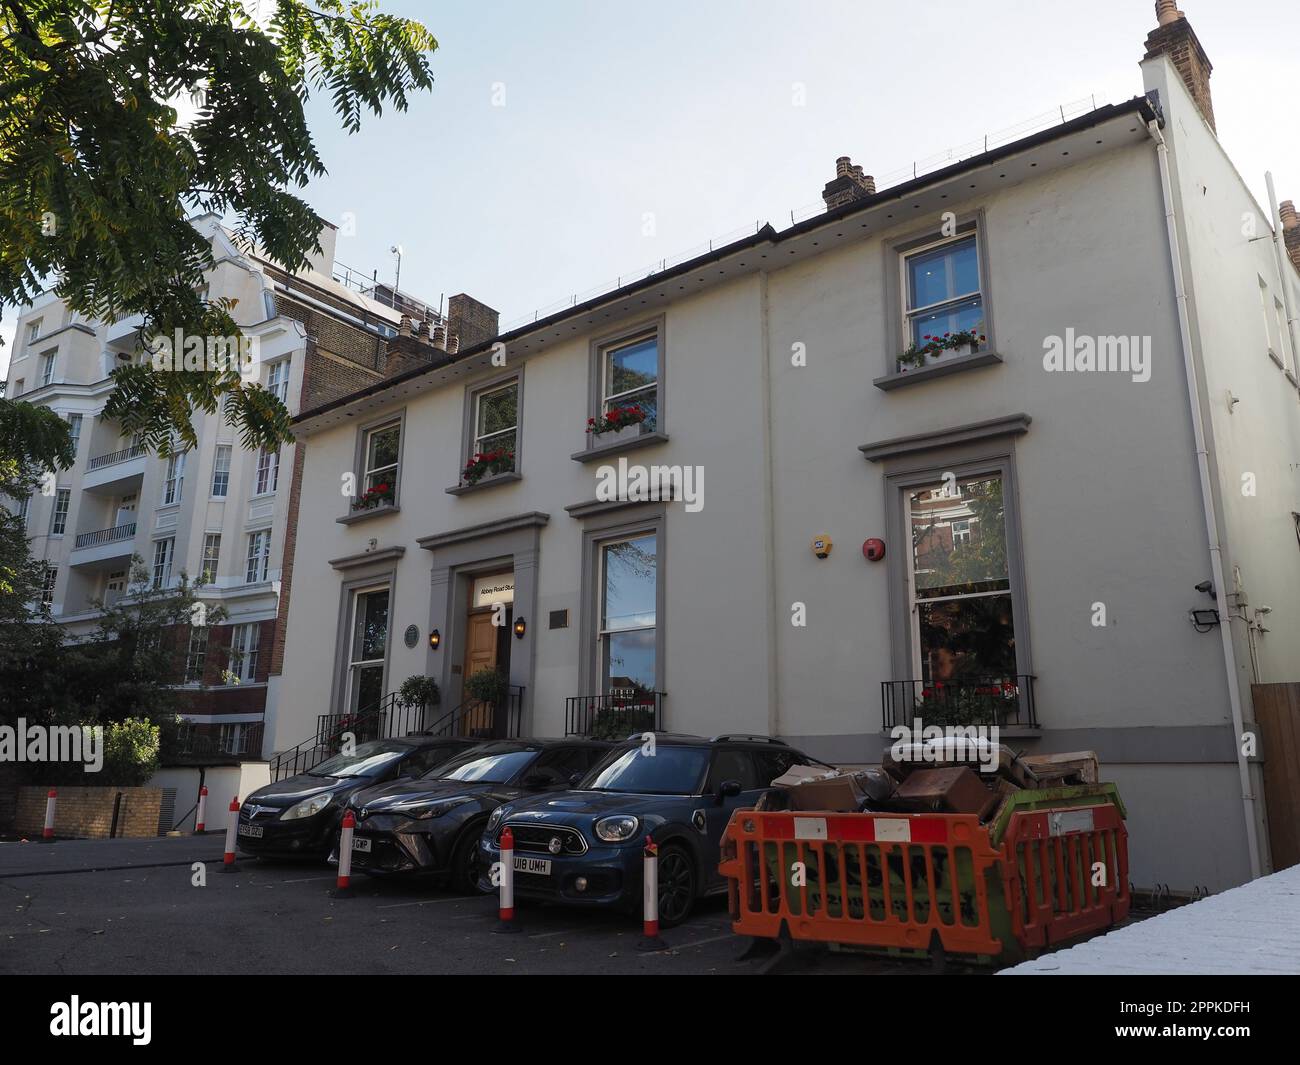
(359, 844)
(251, 831)
(540, 866)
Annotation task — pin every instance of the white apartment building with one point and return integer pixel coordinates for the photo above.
(217, 512)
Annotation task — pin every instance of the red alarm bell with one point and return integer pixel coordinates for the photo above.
(873, 549)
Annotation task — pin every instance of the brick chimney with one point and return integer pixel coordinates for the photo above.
(1290, 230)
(1174, 37)
(850, 184)
(473, 322)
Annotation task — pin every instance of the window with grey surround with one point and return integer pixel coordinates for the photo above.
(162, 561)
(496, 422)
(24, 508)
(211, 558)
(221, 472)
(962, 613)
(259, 556)
(48, 579)
(382, 450)
(627, 625)
(942, 291)
(74, 431)
(59, 519)
(47, 368)
(629, 369)
(34, 330)
(244, 643)
(268, 471)
(173, 486)
(367, 648)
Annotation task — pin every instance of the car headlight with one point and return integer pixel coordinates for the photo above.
(616, 829)
(495, 819)
(307, 808)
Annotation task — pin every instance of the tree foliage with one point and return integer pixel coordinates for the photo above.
(99, 171)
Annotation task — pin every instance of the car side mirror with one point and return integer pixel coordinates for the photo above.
(728, 789)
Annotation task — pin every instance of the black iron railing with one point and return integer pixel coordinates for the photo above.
(107, 536)
(614, 715)
(191, 743)
(1006, 701)
(100, 461)
(483, 720)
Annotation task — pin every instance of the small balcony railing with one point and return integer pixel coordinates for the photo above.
(1005, 701)
(100, 461)
(107, 536)
(614, 715)
(190, 743)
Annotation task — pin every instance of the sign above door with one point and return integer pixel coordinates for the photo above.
(488, 591)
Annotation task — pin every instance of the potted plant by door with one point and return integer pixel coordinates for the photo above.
(488, 686)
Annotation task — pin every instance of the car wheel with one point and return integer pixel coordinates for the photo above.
(676, 885)
(464, 861)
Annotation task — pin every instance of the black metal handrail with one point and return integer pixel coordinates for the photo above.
(1004, 700)
(614, 715)
(100, 461)
(480, 719)
(106, 536)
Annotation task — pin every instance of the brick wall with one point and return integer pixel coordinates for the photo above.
(1178, 41)
(87, 813)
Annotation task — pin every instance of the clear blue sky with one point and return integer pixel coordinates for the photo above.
(687, 112)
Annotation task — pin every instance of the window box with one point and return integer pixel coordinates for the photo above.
(486, 482)
(616, 443)
(483, 464)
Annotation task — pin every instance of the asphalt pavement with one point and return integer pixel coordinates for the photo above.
(101, 907)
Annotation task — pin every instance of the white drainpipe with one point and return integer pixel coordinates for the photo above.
(1207, 503)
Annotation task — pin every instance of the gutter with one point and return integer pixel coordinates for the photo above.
(1248, 807)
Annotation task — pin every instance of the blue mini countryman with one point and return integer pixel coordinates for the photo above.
(585, 847)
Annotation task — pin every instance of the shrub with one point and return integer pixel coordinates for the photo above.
(419, 691)
(131, 752)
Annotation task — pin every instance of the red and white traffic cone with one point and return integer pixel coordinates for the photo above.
(231, 828)
(47, 834)
(343, 887)
(650, 899)
(506, 909)
(200, 818)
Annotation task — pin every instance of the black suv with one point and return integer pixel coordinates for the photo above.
(433, 824)
(585, 846)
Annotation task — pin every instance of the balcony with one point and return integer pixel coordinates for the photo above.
(103, 545)
(203, 744)
(614, 715)
(117, 471)
(1005, 701)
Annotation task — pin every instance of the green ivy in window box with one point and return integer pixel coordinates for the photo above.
(936, 345)
(489, 462)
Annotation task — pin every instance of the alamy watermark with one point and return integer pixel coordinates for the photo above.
(193, 352)
(53, 743)
(1083, 353)
(919, 742)
(651, 484)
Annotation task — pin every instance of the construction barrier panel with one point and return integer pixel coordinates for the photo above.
(1050, 866)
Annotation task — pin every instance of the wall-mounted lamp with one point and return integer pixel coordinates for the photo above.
(521, 627)
(435, 638)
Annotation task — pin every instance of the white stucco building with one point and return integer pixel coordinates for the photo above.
(1048, 527)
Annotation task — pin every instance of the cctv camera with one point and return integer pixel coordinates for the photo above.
(1264, 610)
(1206, 586)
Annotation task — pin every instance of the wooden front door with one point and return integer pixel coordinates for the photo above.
(480, 654)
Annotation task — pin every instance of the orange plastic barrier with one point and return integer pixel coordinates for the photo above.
(900, 881)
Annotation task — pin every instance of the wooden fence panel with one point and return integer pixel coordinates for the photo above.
(1277, 711)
